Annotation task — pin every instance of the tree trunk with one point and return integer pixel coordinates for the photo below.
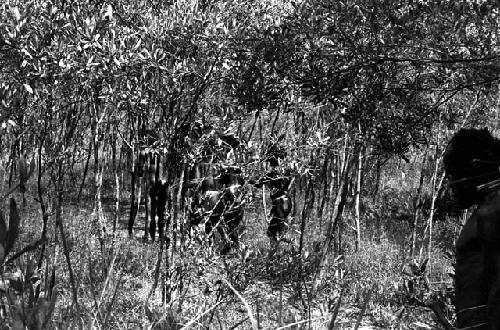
(335, 217)
(133, 206)
(306, 210)
(59, 224)
(85, 171)
(149, 197)
(45, 214)
(377, 180)
(324, 196)
(178, 203)
(117, 188)
(418, 208)
(357, 196)
(436, 187)
(98, 203)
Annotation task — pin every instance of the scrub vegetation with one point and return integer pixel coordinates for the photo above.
(359, 98)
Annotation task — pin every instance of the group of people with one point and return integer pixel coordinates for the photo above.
(214, 193)
(217, 199)
(472, 163)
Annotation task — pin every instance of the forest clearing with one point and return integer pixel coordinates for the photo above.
(272, 164)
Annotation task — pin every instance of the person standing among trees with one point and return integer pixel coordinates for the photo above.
(472, 161)
(279, 183)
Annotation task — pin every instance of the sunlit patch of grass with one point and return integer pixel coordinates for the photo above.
(379, 267)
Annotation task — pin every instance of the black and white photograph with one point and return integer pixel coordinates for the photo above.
(250, 164)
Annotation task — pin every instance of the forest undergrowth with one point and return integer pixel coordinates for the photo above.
(377, 287)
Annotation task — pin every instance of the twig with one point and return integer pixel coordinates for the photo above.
(301, 322)
(190, 323)
(247, 306)
(238, 324)
(106, 282)
(110, 305)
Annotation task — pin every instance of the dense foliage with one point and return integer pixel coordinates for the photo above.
(362, 96)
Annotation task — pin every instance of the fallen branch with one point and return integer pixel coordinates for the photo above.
(247, 306)
(28, 248)
(434, 306)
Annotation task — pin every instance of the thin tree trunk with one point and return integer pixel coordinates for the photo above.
(98, 209)
(59, 225)
(275, 121)
(256, 117)
(436, 187)
(357, 210)
(133, 207)
(325, 196)
(306, 210)
(117, 190)
(13, 167)
(169, 252)
(179, 200)
(45, 214)
(377, 180)
(336, 215)
(148, 182)
(333, 178)
(85, 171)
(418, 208)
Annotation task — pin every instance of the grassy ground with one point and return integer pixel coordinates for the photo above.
(202, 289)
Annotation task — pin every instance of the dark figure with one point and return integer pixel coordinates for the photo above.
(147, 173)
(218, 202)
(472, 162)
(156, 199)
(281, 204)
(136, 175)
(275, 155)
